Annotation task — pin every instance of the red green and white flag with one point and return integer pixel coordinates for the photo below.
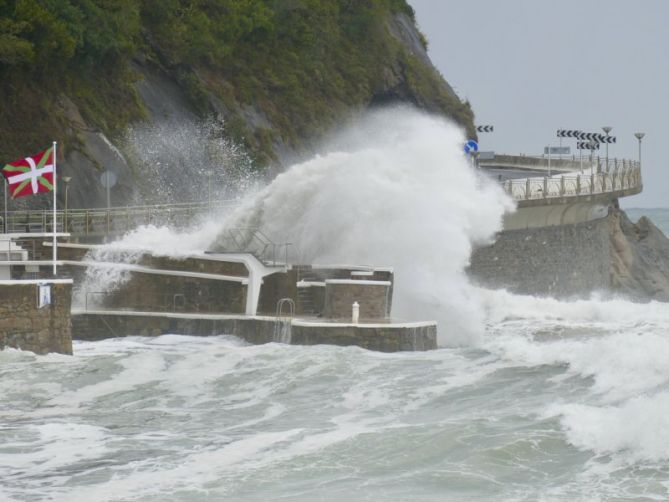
(31, 175)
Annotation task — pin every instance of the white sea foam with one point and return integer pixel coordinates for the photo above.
(638, 429)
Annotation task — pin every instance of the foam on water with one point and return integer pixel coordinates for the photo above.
(205, 418)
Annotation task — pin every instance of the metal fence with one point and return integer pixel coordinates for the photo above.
(621, 177)
(253, 240)
(115, 220)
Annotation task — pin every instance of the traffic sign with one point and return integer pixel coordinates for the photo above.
(108, 179)
(471, 147)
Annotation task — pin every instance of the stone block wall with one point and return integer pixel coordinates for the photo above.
(24, 326)
(275, 287)
(562, 261)
(372, 296)
(164, 293)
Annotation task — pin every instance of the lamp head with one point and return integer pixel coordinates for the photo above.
(639, 135)
(607, 129)
(66, 179)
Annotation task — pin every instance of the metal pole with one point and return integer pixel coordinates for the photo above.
(5, 225)
(549, 161)
(639, 136)
(65, 219)
(607, 130)
(592, 165)
(55, 184)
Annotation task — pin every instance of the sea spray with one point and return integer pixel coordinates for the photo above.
(393, 189)
(188, 160)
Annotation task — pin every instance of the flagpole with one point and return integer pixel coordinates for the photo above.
(55, 183)
(5, 222)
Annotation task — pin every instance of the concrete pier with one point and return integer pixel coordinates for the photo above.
(381, 336)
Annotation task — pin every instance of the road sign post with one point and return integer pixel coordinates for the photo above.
(471, 148)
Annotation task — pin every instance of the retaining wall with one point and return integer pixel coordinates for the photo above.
(26, 327)
(565, 260)
(372, 296)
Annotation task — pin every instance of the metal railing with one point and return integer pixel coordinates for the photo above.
(253, 240)
(103, 221)
(620, 178)
(564, 163)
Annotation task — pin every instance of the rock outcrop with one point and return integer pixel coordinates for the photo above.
(639, 258)
(606, 255)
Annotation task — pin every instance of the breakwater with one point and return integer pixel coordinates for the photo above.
(380, 336)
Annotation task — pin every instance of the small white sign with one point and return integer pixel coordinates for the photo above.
(44, 295)
(557, 150)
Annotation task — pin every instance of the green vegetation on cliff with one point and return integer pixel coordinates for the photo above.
(280, 72)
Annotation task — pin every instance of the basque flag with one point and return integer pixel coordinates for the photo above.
(31, 175)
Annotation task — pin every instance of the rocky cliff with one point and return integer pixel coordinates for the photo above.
(180, 89)
(639, 258)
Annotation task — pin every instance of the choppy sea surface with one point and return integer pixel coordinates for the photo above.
(558, 401)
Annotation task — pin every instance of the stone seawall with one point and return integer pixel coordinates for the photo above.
(565, 260)
(610, 254)
(25, 326)
(256, 330)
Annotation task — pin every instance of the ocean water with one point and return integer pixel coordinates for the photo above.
(528, 399)
(559, 401)
(659, 216)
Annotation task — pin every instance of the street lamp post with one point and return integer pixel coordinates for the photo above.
(607, 130)
(639, 136)
(66, 180)
(209, 175)
(5, 221)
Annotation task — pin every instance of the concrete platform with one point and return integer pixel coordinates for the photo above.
(380, 336)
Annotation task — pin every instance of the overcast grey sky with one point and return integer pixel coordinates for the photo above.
(530, 67)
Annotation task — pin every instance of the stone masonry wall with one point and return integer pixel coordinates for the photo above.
(24, 326)
(164, 293)
(372, 298)
(562, 261)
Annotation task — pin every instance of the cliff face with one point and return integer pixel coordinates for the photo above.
(127, 86)
(639, 258)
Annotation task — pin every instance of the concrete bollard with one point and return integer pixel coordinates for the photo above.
(355, 314)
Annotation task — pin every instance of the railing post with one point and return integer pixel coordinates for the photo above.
(578, 185)
(592, 183)
(545, 187)
(527, 188)
(562, 186)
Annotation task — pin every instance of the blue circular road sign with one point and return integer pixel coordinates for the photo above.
(471, 146)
